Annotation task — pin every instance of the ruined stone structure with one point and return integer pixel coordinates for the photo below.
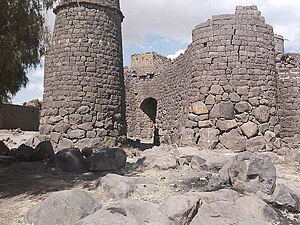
(233, 87)
(84, 84)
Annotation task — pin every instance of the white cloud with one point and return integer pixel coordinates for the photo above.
(176, 54)
(176, 18)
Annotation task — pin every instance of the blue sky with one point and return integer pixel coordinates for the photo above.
(165, 26)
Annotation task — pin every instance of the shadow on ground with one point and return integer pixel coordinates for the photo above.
(15, 182)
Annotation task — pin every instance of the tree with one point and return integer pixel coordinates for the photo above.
(23, 39)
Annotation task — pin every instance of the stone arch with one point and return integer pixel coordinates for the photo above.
(149, 107)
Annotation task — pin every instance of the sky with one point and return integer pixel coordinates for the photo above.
(165, 26)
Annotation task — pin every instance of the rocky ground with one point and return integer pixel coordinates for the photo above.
(161, 185)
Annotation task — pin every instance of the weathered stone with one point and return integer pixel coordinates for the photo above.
(83, 110)
(204, 124)
(45, 129)
(4, 150)
(256, 144)
(68, 160)
(226, 125)
(164, 162)
(270, 136)
(250, 129)
(292, 156)
(86, 126)
(42, 152)
(107, 159)
(241, 107)
(209, 138)
(222, 110)
(199, 108)
(216, 90)
(234, 97)
(262, 113)
(62, 208)
(233, 141)
(210, 100)
(180, 208)
(142, 211)
(76, 134)
(62, 127)
(64, 143)
(197, 163)
(252, 172)
(55, 137)
(24, 153)
(286, 198)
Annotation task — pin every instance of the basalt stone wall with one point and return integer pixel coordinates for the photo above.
(155, 78)
(234, 82)
(288, 66)
(222, 91)
(84, 96)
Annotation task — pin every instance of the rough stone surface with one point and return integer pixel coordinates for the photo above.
(107, 159)
(226, 125)
(256, 144)
(42, 152)
(286, 198)
(180, 209)
(222, 110)
(84, 81)
(4, 150)
(234, 141)
(24, 153)
(208, 138)
(199, 108)
(62, 208)
(252, 172)
(250, 129)
(68, 160)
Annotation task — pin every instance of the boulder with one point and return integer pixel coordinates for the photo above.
(249, 129)
(198, 163)
(242, 107)
(256, 144)
(199, 108)
(209, 138)
(226, 125)
(233, 141)
(250, 172)
(4, 150)
(223, 110)
(286, 198)
(62, 208)
(117, 186)
(107, 159)
(108, 217)
(258, 208)
(143, 212)
(292, 156)
(180, 208)
(187, 152)
(223, 213)
(68, 160)
(164, 162)
(262, 113)
(23, 153)
(42, 152)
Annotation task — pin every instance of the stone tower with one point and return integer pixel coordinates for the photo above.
(83, 102)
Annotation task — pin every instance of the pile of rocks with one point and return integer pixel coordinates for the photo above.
(71, 160)
(237, 189)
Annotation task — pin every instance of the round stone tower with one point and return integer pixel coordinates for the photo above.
(83, 102)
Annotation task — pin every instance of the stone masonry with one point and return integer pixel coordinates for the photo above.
(233, 87)
(84, 101)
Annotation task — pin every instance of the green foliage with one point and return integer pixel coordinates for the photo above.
(22, 41)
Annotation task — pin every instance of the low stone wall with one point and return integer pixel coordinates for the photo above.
(15, 116)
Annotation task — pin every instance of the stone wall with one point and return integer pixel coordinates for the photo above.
(15, 116)
(84, 102)
(221, 92)
(288, 68)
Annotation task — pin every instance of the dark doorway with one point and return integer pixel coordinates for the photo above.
(149, 107)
